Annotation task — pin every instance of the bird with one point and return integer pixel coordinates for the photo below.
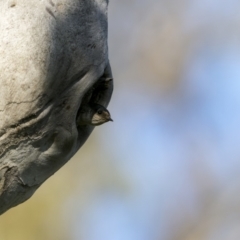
(93, 114)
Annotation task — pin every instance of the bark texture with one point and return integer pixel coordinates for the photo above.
(53, 52)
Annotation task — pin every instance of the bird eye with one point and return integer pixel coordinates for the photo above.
(99, 112)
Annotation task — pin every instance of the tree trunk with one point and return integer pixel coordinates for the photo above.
(53, 52)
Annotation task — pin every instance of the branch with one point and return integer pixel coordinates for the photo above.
(52, 56)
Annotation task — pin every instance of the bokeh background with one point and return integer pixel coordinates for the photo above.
(168, 168)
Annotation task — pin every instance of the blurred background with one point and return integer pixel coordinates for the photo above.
(168, 168)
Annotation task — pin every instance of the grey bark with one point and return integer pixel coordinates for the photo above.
(52, 52)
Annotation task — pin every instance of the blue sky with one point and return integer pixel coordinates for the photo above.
(164, 145)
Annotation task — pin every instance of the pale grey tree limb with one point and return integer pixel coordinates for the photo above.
(52, 52)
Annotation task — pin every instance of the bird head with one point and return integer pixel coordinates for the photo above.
(101, 115)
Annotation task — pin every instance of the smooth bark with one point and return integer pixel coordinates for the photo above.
(52, 53)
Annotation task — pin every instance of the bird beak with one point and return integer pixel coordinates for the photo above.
(110, 120)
